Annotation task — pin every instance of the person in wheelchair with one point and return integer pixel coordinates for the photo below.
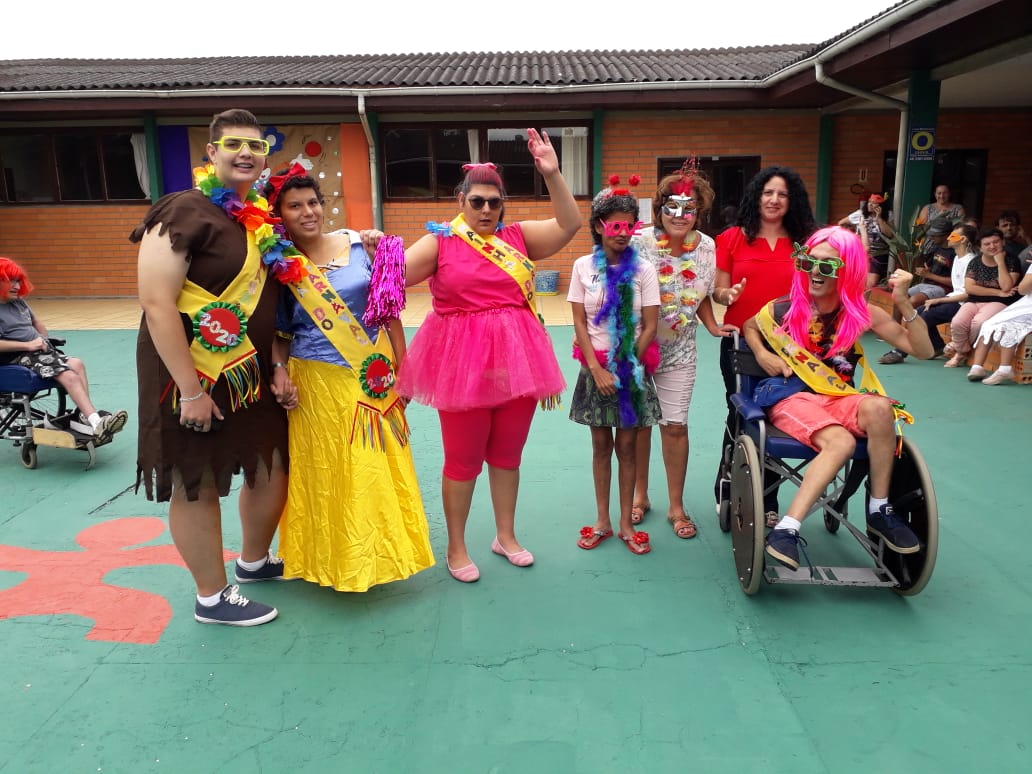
(24, 341)
(808, 342)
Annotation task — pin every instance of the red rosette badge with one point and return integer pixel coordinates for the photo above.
(220, 326)
(377, 376)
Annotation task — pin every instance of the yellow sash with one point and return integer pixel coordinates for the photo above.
(822, 379)
(512, 262)
(372, 363)
(221, 346)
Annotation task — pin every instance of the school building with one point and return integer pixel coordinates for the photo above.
(926, 92)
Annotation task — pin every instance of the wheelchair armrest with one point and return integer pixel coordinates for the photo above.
(748, 409)
(57, 342)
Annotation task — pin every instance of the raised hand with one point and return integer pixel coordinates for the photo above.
(540, 147)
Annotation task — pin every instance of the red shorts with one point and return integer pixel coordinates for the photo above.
(805, 414)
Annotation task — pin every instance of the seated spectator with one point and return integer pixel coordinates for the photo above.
(934, 274)
(24, 341)
(941, 310)
(1014, 240)
(990, 286)
(941, 206)
(1007, 328)
(870, 224)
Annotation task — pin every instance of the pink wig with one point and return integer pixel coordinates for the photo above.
(852, 280)
(9, 272)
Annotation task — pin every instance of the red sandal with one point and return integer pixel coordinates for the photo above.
(591, 537)
(637, 543)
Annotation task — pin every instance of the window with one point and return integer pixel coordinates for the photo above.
(427, 163)
(82, 166)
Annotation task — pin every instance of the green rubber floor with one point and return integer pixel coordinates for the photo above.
(590, 661)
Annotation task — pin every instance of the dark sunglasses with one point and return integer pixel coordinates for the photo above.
(478, 202)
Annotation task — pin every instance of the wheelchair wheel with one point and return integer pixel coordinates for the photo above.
(912, 494)
(28, 455)
(724, 515)
(746, 514)
(52, 402)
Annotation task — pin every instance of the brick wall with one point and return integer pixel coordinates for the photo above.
(74, 251)
(83, 251)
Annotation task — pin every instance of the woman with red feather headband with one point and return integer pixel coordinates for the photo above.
(685, 261)
(615, 298)
(482, 357)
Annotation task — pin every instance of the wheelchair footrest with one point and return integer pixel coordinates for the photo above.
(830, 576)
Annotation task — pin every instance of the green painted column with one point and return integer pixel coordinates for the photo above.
(157, 184)
(825, 150)
(919, 161)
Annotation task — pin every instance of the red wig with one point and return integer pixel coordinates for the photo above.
(11, 272)
(852, 281)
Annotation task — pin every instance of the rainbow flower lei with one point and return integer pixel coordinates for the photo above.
(677, 305)
(278, 253)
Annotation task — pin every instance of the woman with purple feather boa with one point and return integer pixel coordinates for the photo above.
(615, 300)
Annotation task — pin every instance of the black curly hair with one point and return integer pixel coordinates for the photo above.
(798, 222)
(605, 204)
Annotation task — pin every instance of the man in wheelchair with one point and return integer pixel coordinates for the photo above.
(24, 341)
(809, 344)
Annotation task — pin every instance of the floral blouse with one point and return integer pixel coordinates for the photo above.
(684, 282)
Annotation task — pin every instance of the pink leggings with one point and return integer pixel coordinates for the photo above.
(967, 322)
(494, 435)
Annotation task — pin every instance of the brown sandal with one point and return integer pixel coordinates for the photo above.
(684, 528)
(638, 513)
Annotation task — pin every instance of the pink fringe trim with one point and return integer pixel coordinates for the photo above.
(650, 361)
(387, 285)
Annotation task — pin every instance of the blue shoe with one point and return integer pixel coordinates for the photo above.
(233, 609)
(271, 570)
(783, 545)
(893, 531)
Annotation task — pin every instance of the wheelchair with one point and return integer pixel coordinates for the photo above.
(34, 412)
(759, 446)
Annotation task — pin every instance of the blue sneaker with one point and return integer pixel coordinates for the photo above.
(271, 570)
(893, 531)
(234, 610)
(783, 545)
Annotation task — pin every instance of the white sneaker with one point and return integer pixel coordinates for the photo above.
(999, 377)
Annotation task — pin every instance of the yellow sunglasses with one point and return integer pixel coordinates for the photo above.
(232, 144)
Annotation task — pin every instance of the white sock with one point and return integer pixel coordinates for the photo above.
(876, 503)
(252, 566)
(94, 420)
(787, 522)
(1004, 369)
(210, 601)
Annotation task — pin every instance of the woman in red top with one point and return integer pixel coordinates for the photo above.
(754, 266)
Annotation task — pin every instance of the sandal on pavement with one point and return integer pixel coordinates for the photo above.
(522, 558)
(684, 528)
(591, 537)
(637, 543)
(638, 513)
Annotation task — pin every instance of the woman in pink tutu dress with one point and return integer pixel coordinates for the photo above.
(482, 357)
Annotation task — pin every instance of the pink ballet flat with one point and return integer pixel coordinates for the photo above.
(467, 574)
(520, 558)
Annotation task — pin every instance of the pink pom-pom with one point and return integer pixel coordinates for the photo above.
(387, 285)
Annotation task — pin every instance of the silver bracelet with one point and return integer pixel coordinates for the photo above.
(911, 319)
(198, 396)
(279, 364)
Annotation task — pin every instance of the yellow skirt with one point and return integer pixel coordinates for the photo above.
(354, 516)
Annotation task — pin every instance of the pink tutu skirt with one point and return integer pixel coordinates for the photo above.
(482, 359)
